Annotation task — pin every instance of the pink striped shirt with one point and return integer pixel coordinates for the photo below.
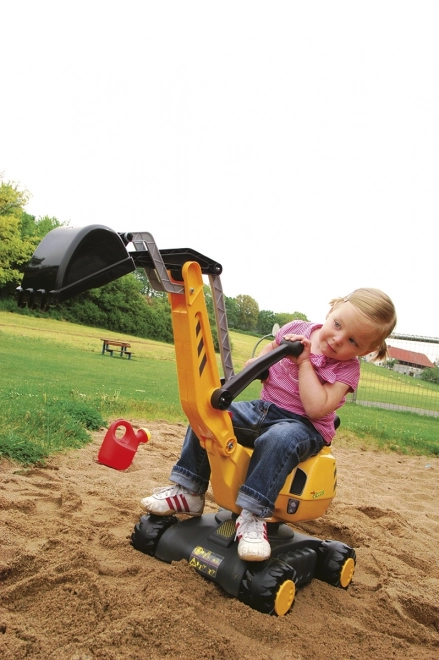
(282, 386)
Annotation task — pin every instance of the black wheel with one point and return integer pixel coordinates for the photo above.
(304, 561)
(148, 531)
(335, 563)
(268, 587)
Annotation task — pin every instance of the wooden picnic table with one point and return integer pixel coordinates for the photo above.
(121, 346)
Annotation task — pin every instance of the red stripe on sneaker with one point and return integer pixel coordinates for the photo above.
(173, 503)
(178, 503)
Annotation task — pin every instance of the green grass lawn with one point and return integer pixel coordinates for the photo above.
(386, 386)
(57, 386)
(395, 430)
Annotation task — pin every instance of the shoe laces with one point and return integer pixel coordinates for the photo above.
(250, 526)
(174, 488)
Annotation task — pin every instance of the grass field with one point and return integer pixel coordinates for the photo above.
(386, 386)
(57, 386)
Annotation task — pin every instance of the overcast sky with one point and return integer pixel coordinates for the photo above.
(297, 143)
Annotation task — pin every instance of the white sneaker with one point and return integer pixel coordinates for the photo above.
(251, 532)
(173, 499)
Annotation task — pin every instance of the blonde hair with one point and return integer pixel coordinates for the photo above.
(378, 307)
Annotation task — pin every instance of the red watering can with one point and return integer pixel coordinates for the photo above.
(117, 452)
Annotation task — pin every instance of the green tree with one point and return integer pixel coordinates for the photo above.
(248, 312)
(266, 321)
(14, 251)
(232, 311)
(121, 307)
(20, 233)
(431, 375)
(41, 226)
(146, 287)
(283, 317)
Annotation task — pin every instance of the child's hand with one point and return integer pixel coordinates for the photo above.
(304, 356)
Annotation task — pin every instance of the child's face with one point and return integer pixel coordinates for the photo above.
(347, 333)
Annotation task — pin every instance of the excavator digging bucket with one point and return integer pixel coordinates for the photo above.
(71, 260)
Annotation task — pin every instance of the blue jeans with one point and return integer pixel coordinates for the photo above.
(281, 440)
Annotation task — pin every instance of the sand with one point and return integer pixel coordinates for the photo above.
(73, 588)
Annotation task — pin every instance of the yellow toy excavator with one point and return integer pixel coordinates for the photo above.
(69, 261)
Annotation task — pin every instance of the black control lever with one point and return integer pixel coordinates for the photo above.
(223, 396)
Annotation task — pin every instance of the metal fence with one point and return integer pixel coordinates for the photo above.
(397, 383)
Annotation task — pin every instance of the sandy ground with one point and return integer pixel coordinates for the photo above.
(73, 588)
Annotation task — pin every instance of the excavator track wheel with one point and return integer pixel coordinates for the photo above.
(268, 587)
(148, 531)
(335, 563)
